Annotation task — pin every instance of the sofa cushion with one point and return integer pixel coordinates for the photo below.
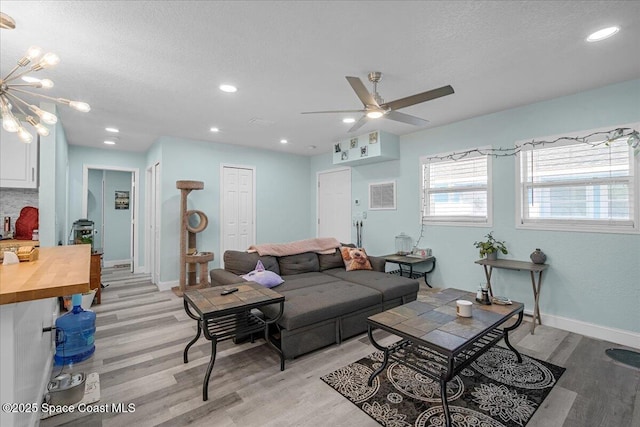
(355, 259)
(390, 285)
(240, 262)
(333, 260)
(312, 304)
(303, 280)
(300, 263)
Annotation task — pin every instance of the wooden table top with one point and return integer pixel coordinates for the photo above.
(433, 321)
(59, 271)
(510, 264)
(209, 303)
(404, 259)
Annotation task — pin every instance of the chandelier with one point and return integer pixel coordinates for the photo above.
(12, 93)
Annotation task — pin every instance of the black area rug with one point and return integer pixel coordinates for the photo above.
(495, 390)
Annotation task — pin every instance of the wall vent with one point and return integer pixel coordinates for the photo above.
(382, 195)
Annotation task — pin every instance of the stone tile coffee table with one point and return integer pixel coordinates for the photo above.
(436, 342)
(222, 317)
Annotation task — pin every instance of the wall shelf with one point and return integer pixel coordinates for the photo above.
(373, 147)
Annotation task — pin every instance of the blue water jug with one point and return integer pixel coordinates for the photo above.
(75, 334)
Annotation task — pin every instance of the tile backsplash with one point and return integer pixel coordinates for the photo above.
(12, 200)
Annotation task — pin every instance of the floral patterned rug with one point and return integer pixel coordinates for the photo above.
(493, 391)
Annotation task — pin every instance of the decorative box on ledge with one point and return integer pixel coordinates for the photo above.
(373, 147)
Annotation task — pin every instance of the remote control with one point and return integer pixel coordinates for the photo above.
(228, 291)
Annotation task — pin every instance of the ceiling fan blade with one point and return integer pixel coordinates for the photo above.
(362, 92)
(406, 118)
(357, 125)
(334, 111)
(418, 98)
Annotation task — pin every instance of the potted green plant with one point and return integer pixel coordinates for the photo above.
(490, 247)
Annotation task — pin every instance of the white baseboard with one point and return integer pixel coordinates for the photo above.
(166, 286)
(605, 333)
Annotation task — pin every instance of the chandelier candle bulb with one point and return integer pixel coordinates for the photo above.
(24, 136)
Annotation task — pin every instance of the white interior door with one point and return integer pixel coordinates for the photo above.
(334, 204)
(238, 208)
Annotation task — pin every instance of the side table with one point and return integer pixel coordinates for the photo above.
(223, 317)
(409, 262)
(509, 264)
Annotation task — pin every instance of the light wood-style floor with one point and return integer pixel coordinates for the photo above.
(141, 334)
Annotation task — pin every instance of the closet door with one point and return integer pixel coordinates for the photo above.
(238, 208)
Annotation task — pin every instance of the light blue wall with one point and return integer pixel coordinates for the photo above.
(117, 222)
(594, 277)
(80, 156)
(52, 196)
(282, 194)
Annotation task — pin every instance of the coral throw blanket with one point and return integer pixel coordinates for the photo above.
(321, 245)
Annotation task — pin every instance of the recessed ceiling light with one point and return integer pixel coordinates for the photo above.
(228, 88)
(605, 33)
(348, 120)
(283, 141)
(108, 142)
(214, 130)
(112, 130)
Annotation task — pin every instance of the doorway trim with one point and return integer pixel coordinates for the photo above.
(136, 203)
(253, 214)
(152, 218)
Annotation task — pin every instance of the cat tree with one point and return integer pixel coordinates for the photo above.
(190, 258)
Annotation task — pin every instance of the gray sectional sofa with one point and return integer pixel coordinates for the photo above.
(324, 303)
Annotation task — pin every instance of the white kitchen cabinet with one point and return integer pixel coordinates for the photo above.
(18, 161)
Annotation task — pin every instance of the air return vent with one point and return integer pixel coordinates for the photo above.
(382, 195)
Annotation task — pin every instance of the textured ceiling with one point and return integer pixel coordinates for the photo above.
(152, 68)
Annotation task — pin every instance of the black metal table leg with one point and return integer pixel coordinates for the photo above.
(386, 356)
(506, 336)
(212, 360)
(198, 333)
(433, 267)
(445, 403)
(268, 338)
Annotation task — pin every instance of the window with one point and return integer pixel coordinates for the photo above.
(456, 191)
(576, 186)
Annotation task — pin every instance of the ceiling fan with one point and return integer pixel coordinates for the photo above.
(375, 107)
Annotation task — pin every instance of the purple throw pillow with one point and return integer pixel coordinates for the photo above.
(263, 277)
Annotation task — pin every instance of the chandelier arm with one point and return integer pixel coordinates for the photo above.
(16, 98)
(17, 76)
(10, 72)
(35, 94)
(37, 85)
(22, 111)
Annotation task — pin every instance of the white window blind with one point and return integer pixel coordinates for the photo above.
(577, 185)
(456, 190)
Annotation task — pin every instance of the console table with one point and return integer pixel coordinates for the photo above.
(222, 317)
(509, 264)
(409, 261)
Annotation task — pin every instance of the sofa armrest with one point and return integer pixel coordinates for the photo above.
(377, 263)
(221, 277)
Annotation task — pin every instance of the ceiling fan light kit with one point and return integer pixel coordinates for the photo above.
(375, 107)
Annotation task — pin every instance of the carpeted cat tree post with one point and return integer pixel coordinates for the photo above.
(190, 258)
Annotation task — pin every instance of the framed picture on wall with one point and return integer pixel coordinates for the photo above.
(337, 148)
(122, 200)
(354, 142)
